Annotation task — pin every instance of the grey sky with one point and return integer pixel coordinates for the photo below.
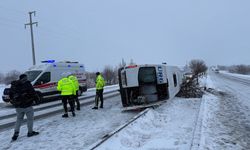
(99, 33)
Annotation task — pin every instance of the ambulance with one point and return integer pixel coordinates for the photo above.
(44, 78)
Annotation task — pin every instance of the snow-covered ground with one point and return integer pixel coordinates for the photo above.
(170, 126)
(219, 120)
(2, 86)
(70, 133)
(226, 121)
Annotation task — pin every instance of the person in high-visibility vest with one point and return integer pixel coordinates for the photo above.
(76, 83)
(67, 89)
(100, 83)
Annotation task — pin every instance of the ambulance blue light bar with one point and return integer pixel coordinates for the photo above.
(48, 61)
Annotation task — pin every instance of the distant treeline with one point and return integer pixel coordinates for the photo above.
(241, 69)
(8, 77)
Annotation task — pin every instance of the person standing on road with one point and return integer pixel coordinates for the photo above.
(76, 83)
(67, 89)
(23, 96)
(100, 83)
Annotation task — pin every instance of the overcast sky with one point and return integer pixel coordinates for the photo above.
(102, 32)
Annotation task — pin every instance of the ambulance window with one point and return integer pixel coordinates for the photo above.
(45, 78)
(175, 80)
(32, 75)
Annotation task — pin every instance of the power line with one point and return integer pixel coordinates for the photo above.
(71, 30)
(32, 36)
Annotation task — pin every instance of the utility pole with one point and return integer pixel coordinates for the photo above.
(32, 36)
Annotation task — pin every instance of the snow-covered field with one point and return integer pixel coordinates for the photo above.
(219, 120)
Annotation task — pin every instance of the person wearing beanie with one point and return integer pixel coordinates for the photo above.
(23, 96)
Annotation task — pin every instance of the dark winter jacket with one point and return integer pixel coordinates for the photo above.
(22, 94)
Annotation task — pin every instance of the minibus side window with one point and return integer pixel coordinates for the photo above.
(44, 78)
(175, 79)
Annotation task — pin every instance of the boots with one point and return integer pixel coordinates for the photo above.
(65, 115)
(33, 133)
(14, 137)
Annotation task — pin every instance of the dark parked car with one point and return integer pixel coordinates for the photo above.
(5, 96)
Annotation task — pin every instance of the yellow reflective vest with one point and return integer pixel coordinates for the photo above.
(66, 86)
(100, 83)
(75, 81)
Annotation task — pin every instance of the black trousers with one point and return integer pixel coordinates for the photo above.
(77, 100)
(99, 95)
(68, 99)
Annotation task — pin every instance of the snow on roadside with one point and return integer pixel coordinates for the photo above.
(170, 126)
(224, 125)
(2, 87)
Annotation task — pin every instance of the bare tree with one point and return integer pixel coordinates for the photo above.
(241, 69)
(109, 74)
(122, 64)
(91, 76)
(116, 80)
(11, 76)
(132, 62)
(198, 66)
